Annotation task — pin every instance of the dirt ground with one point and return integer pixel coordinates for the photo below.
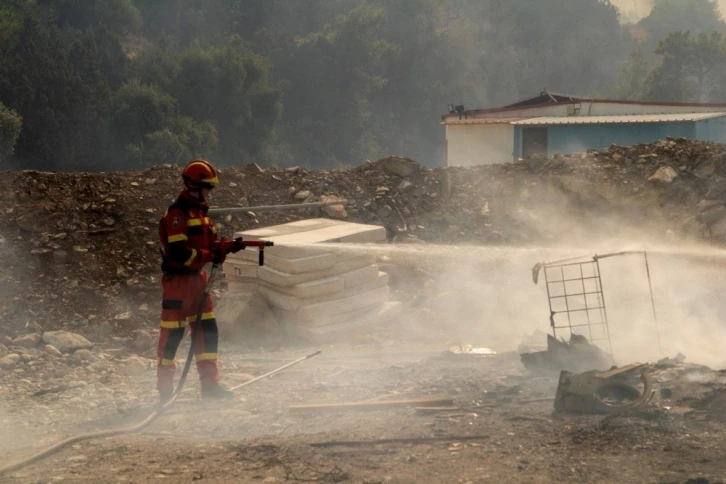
(502, 427)
(81, 255)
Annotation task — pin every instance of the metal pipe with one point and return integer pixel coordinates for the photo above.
(275, 371)
(126, 430)
(268, 208)
(652, 304)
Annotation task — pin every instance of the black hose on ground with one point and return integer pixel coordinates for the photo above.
(135, 428)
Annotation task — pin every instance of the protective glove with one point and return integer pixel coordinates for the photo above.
(231, 246)
(236, 245)
(218, 255)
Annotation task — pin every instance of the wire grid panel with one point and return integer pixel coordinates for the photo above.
(577, 304)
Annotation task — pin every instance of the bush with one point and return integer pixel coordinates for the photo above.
(10, 126)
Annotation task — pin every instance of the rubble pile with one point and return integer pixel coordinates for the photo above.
(80, 250)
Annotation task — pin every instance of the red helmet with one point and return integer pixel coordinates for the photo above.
(200, 174)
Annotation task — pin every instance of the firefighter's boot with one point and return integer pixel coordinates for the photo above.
(216, 392)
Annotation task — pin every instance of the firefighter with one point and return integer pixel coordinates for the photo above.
(189, 240)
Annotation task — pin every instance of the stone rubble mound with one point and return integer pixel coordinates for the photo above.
(80, 250)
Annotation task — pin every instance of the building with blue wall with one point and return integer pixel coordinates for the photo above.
(578, 134)
(556, 123)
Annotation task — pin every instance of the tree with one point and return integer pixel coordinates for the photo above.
(531, 44)
(231, 87)
(669, 16)
(331, 75)
(53, 79)
(632, 75)
(118, 16)
(420, 73)
(691, 70)
(10, 126)
(12, 20)
(148, 129)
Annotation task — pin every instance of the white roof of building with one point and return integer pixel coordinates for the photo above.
(620, 119)
(485, 120)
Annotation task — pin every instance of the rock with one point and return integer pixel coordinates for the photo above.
(3, 350)
(82, 355)
(404, 186)
(704, 205)
(27, 340)
(664, 175)
(395, 165)
(105, 329)
(123, 316)
(718, 229)
(713, 215)
(334, 211)
(65, 341)
(243, 202)
(244, 315)
(705, 170)
(716, 187)
(253, 168)
(52, 350)
(9, 362)
(143, 340)
(135, 366)
(303, 194)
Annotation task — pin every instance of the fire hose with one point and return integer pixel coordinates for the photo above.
(159, 410)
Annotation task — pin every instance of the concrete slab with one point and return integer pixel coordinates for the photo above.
(334, 332)
(318, 311)
(331, 318)
(305, 290)
(311, 232)
(240, 269)
(292, 303)
(288, 228)
(280, 278)
(360, 276)
(299, 265)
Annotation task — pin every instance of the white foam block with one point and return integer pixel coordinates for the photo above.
(280, 278)
(360, 276)
(334, 332)
(338, 306)
(311, 289)
(292, 303)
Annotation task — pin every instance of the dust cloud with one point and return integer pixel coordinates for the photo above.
(485, 296)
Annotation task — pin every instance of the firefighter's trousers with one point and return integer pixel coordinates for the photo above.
(181, 296)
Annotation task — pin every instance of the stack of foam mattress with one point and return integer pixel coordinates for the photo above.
(319, 292)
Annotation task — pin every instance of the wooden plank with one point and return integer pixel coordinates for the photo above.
(361, 406)
(411, 440)
(431, 410)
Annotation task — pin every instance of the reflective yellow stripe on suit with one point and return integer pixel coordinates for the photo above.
(177, 238)
(193, 222)
(172, 324)
(191, 259)
(165, 362)
(205, 316)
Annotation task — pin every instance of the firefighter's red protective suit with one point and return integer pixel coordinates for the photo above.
(189, 241)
